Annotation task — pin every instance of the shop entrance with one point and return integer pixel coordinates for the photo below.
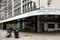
(50, 26)
(29, 24)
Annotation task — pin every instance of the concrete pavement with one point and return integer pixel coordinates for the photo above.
(31, 36)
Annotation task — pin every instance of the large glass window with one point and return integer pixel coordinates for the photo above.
(9, 14)
(26, 1)
(17, 6)
(51, 25)
(9, 7)
(1, 26)
(9, 1)
(5, 15)
(17, 12)
(26, 8)
(9, 25)
(16, 2)
(49, 16)
(29, 7)
(58, 25)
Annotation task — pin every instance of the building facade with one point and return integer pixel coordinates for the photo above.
(30, 15)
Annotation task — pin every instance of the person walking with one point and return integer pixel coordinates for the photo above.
(9, 31)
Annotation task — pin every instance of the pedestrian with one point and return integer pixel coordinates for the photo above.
(9, 33)
(11, 29)
(16, 33)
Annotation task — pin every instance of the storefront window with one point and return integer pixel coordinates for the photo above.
(50, 25)
(58, 25)
(23, 25)
(1, 26)
(8, 25)
(29, 24)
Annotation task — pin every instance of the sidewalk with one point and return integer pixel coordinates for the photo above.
(31, 36)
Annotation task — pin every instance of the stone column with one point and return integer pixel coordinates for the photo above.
(7, 9)
(12, 7)
(18, 23)
(39, 23)
(37, 3)
(21, 6)
(45, 26)
(56, 26)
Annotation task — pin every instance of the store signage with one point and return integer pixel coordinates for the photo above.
(49, 10)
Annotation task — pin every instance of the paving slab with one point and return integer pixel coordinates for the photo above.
(30, 36)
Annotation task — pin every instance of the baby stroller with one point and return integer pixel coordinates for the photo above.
(16, 33)
(8, 33)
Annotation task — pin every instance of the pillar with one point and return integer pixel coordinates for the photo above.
(56, 26)
(39, 23)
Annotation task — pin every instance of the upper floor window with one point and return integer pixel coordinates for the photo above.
(16, 2)
(29, 7)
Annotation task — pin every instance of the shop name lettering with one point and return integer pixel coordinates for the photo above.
(49, 10)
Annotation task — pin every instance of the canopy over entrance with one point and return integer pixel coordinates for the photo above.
(34, 13)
